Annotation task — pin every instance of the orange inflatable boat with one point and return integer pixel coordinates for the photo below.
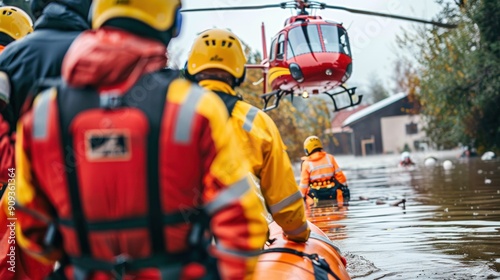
(318, 258)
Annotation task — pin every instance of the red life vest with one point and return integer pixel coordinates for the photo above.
(107, 136)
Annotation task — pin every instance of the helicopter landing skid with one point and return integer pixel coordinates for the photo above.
(350, 94)
(276, 96)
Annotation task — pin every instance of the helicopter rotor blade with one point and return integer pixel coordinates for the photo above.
(233, 8)
(356, 11)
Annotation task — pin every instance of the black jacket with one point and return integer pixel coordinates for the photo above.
(40, 54)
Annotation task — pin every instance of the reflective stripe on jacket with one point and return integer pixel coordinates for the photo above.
(263, 147)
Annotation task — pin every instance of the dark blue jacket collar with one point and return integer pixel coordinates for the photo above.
(61, 17)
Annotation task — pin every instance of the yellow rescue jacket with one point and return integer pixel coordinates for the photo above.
(266, 152)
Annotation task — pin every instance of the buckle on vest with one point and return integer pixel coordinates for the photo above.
(110, 100)
(120, 266)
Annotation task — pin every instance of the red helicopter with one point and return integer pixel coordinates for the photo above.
(310, 55)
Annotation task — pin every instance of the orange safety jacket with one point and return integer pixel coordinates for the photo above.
(319, 167)
(126, 177)
(263, 147)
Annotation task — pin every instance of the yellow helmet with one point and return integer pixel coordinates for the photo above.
(162, 16)
(217, 49)
(15, 22)
(311, 144)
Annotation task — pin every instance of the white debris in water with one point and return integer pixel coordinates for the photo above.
(430, 161)
(488, 155)
(475, 214)
(447, 164)
(487, 181)
(480, 171)
(445, 209)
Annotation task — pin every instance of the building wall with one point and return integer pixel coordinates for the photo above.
(341, 144)
(394, 133)
(369, 128)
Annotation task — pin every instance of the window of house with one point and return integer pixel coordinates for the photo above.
(411, 128)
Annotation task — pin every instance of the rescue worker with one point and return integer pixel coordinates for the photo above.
(132, 164)
(217, 62)
(321, 176)
(38, 56)
(406, 159)
(14, 25)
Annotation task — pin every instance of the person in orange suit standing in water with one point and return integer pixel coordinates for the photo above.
(321, 176)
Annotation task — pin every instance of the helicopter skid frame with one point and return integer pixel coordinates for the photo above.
(350, 93)
(278, 94)
(267, 97)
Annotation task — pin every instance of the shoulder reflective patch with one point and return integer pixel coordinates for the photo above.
(41, 114)
(249, 118)
(186, 115)
(4, 87)
(107, 145)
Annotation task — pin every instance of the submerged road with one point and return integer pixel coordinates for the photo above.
(449, 227)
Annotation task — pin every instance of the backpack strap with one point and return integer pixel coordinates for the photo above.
(71, 102)
(229, 100)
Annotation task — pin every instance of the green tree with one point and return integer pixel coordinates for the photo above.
(459, 75)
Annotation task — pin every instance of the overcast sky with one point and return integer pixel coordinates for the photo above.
(372, 38)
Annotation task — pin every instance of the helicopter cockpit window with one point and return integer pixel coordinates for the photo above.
(344, 42)
(272, 54)
(280, 51)
(303, 39)
(335, 39)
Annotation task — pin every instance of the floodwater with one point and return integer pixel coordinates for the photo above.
(448, 228)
